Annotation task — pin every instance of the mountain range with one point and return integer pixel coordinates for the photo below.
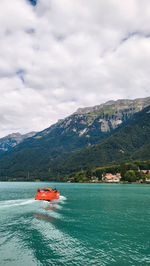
(13, 139)
(99, 135)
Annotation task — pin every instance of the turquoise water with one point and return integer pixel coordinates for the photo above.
(91, 224)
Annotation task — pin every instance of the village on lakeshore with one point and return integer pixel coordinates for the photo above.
(115, 178)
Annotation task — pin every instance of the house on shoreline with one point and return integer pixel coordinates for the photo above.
(110, 178)
(145, 172)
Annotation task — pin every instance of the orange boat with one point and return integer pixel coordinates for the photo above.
(47, 194)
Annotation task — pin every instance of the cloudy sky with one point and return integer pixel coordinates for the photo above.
(59, 55)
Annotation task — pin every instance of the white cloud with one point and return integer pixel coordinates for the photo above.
(61, 55)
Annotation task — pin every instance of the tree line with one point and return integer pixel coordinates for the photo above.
(130, 172)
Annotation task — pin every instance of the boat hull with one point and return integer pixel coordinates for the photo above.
(47, 194)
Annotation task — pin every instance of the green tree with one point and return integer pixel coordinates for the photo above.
(98, 173)
(138, 175)
(123, 169)
(79, 177)
(130, 176)
(148, 176)
(132, 166)
(88, 172)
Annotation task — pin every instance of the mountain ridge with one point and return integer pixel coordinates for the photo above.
(132, 102)
(13, 139)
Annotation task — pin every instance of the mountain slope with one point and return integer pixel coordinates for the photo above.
(131, 142)
(45, 154)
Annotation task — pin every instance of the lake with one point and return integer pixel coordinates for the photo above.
(91, 224)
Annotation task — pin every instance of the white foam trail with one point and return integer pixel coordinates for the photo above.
(62, 197)
(20, 202)
(11, 203)
(56, 203)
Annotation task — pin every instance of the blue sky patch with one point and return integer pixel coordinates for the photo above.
(33, 2)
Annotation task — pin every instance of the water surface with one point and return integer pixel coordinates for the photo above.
(91, 224)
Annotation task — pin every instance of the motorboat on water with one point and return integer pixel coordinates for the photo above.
(47, 194)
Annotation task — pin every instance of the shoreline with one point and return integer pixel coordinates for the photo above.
(98, 182)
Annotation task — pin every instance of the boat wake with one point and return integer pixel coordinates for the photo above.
(19, 202)
(61, 199)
